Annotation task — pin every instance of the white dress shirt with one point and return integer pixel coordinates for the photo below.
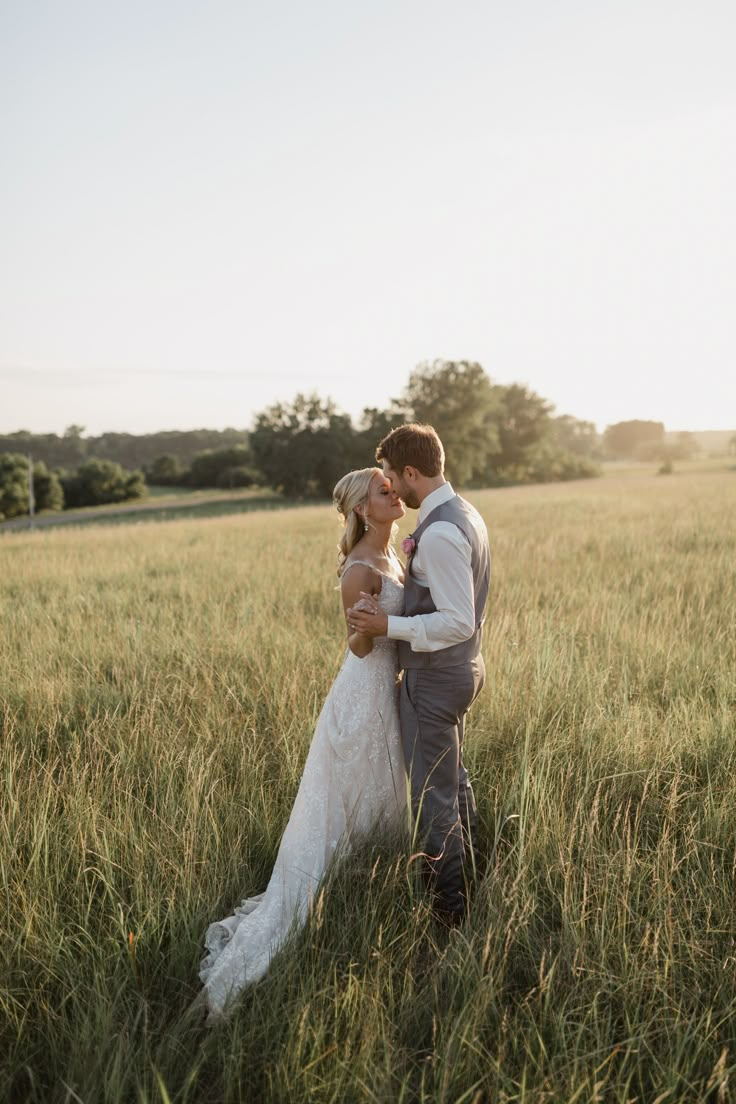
(442, 562)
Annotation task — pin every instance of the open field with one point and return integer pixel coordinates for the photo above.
(158, 689)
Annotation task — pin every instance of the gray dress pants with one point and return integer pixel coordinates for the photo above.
(432, 709)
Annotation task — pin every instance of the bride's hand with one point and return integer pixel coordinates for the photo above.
(367, 618)
(366, 604)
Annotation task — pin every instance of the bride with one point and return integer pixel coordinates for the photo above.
(354, 774)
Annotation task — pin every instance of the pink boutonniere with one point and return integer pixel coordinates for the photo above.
(408, 545)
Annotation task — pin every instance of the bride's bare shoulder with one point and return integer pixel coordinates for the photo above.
(359, 575)
(356, 579)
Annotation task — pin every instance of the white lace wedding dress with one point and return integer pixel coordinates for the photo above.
(353, 779)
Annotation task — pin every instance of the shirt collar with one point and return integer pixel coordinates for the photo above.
(434, 499)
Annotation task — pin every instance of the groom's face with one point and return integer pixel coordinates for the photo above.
(401, 486)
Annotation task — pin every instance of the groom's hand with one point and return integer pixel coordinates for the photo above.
(362, 620)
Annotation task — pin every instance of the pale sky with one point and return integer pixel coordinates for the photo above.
(206, 208)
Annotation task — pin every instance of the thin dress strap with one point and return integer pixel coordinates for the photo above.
(364, 563)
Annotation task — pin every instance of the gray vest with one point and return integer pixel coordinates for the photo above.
(418, 600)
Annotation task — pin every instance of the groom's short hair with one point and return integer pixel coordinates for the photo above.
(415, 445)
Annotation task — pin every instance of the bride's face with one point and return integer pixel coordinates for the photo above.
(383, 503)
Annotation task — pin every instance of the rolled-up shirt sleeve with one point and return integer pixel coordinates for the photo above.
(446, 565)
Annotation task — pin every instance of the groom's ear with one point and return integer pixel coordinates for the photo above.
(409, 473)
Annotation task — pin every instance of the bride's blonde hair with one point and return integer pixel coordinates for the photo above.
(352, 491)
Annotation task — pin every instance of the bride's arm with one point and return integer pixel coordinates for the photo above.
(354, 580)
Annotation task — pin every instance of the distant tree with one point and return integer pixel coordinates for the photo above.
(135, 485)
(684, 447)
(54, 451)
(135, 451)
(732, 445)
(547, 462)
(14, 493)
(373, 426)
(626, 440)
(237, 477)
(458, 399)
(47, 489)
(98, 482)
(523, 423)
(75, 445)
(14, 488)
(165, 471)
(128, 449)
(209, 465)
(302, 448)
(576, 436)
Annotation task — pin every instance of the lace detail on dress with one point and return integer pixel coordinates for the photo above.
(353, 777)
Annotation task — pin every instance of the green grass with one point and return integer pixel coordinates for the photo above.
(156, 507)
(158, 690)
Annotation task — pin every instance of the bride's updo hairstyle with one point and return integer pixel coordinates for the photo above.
(352, 491)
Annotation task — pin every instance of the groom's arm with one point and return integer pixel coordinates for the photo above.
(447, 568)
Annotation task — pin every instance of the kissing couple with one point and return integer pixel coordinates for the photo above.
(425, 619)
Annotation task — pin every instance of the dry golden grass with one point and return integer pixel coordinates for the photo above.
(159, 685)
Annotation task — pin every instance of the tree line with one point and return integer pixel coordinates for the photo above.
(642, 440)
(494, 435)
(68, 450)
(94, 483)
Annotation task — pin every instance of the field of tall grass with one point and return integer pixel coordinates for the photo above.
(159, 686)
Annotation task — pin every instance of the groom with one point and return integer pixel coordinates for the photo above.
(446, 587)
